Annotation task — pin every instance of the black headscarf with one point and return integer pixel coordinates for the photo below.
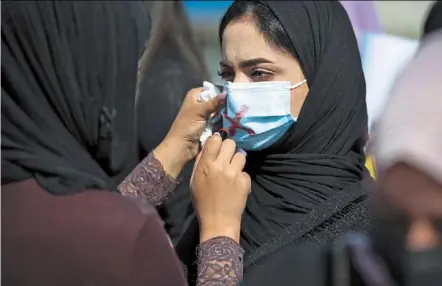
(69, 72)
(434, 18)
(309, 186)
(322, 155)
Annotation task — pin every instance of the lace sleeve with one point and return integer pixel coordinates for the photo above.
(219, 262)
(149, 180)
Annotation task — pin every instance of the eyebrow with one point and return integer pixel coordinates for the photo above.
(248, 63)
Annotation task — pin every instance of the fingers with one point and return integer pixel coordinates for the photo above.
(226, 152)
(245, 178)
(193, 94)
(224, 134)
(211, 148)
(206, 108)
(212, 105)
(238, 161)
(245, 182)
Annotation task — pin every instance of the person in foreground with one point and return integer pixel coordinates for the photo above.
(405, 245)
(69, 75)
(296, 104)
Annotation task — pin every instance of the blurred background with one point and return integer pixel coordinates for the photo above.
(387, 31)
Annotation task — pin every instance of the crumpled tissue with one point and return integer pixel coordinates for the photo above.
(210, 91)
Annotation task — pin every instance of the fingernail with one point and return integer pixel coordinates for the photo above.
(242, 151)
(216, 134)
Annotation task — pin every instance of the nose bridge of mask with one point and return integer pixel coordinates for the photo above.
(259, 99)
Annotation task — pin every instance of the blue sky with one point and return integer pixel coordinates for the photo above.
(203, 11)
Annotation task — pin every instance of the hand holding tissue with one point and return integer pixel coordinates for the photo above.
(210, 91)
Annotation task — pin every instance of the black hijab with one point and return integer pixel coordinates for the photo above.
(322, 155)
(309, 186)
(434, 18)
(69, 72)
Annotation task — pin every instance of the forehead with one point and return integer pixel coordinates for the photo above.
(242, 41)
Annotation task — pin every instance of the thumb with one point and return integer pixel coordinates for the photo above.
(213, 105)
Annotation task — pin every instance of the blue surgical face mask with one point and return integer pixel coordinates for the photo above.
(258, 114)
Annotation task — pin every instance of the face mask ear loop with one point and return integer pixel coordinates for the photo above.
(298, 84)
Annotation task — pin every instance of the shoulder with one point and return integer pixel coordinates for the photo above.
(94, 236)
(349, 211)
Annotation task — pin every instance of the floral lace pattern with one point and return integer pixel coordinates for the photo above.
(150, 181)
(220, 258)
(220, 262)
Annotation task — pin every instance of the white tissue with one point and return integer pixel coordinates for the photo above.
(210, 91)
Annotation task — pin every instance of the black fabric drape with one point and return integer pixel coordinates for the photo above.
(434, 18)
(323, 152)
(69, 72)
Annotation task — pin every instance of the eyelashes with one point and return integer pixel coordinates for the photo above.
(256, 74)
(261, 74)
(223, 75)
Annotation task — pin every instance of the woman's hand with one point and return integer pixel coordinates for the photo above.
(182, 142)
(220, 189)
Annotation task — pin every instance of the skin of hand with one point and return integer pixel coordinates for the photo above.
(181, 144)
(220, 189)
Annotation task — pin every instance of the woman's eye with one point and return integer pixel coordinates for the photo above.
(225, 75)
(261, 75)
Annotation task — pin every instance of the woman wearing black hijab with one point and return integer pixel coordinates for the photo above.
(69, 75)
(404, 246)
(310, 183)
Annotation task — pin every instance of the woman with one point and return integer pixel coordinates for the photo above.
(306, 162)
(172, 65)
(405, 245)
(69, 73)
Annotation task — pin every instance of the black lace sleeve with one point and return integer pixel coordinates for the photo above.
(220, 262)
(149, 180)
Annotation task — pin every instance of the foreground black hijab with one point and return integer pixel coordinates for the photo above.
(305, 186)
(69, 72)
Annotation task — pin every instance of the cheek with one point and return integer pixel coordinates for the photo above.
(292, 72)
(297, 98)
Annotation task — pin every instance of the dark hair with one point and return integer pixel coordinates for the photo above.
(266, 21)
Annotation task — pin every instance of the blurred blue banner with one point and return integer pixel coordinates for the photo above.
(206, 11)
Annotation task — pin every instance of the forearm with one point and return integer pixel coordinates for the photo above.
(220, 262)
(149, 180)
